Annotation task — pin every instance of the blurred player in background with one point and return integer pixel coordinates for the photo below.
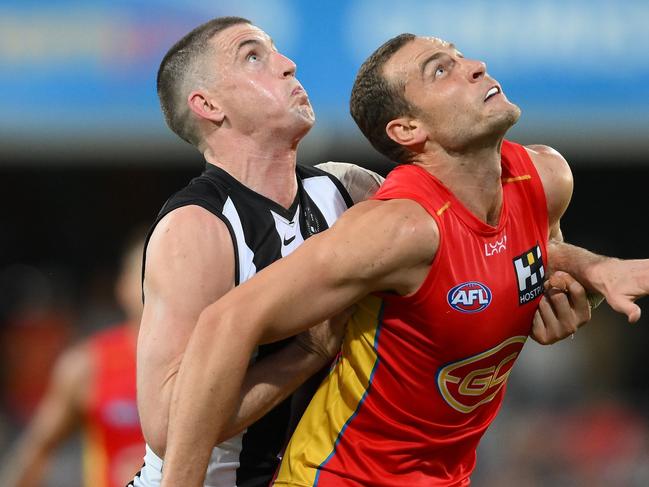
(92, 390)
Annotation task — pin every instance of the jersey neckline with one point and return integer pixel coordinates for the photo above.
(217, 172)
(472, 221)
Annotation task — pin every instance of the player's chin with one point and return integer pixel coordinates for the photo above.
(306, 114)
(504, 119)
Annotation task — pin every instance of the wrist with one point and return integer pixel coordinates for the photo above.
(597, 274)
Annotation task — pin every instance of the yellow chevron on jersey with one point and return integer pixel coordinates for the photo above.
(347, 384)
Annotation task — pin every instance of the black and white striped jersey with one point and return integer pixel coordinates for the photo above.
(262, 232)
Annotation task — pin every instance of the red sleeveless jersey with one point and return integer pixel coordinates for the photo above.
(420, 378)
(114, 446)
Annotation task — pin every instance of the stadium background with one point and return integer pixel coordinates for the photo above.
(85, 157)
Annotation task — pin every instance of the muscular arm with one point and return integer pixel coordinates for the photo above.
(190, 263)
(375, 245)
(620, 282)
(56, 418)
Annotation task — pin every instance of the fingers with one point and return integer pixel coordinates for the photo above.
(562, 310)
(538, 329)
(559, 280)
(546, 327)
(580, 306)
(627, 307)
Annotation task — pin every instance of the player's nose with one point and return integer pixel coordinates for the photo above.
(476, 69)
(286, 67)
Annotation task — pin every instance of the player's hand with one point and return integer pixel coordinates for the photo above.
(325, 338)
(621, 282)
(562, 310)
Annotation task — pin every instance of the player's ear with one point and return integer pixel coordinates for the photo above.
(406, 131)
(205, 106)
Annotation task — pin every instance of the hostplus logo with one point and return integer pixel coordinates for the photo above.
(529, 274)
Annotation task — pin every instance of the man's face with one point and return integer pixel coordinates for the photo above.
(256, 85)
(458, 102)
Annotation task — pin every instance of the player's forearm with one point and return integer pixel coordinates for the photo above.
(24, 467)
(585, 266)
(269, 381)
(205, 396)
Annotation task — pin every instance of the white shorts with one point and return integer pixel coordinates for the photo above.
(221, 472)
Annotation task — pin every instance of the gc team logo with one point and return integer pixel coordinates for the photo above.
(467, 384)
(469, 297)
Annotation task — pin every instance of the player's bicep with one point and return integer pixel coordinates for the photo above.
(190, 263)
(371, 248)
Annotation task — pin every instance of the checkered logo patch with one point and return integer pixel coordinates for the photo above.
(529, 274)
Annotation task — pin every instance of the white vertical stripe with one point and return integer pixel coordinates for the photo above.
(288, 231)
(247, 267)
(326, 196)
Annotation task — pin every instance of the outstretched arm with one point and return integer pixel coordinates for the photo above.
(621, 282)
(375, 245)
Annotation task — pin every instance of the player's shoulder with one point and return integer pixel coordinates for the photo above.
(188, 241)
(550, 164)
(189, 226)
(360, 183)
(546, 156)
(556, 176)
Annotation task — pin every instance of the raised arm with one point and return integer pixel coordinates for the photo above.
(374, 246)
(57, 417)
(190, 263)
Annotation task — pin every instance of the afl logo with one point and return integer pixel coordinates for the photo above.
(469, 297)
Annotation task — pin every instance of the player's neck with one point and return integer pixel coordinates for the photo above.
(267, 168)
(473, 176)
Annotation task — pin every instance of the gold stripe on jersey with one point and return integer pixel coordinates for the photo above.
(445, 207)
(337, 399)
(516, 179)
(95, 459)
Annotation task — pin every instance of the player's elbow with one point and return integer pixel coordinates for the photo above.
(225, 322)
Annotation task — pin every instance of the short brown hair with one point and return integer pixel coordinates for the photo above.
(180, 66)
(375, 101)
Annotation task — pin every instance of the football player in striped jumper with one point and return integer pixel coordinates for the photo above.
(226, 89)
